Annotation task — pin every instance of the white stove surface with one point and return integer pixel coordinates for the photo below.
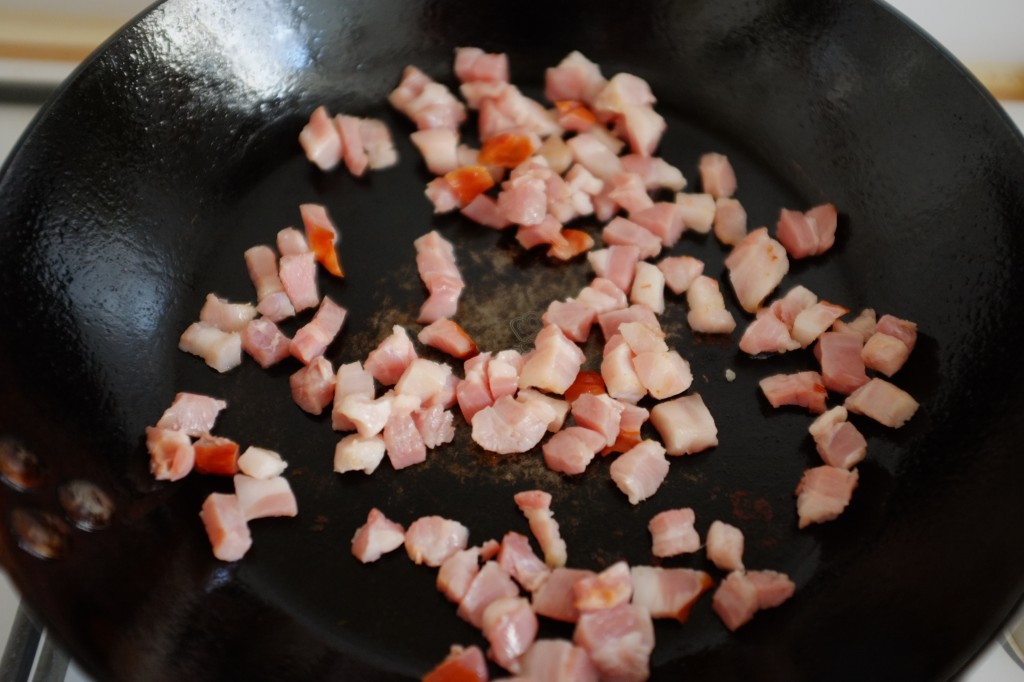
(994, 664)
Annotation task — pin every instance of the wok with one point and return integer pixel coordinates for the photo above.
(175, 148)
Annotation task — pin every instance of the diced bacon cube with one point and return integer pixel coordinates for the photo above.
(626, 232)
(838, 441)
(377, 142)
(448, 337)
(265, 342)
(735, 601)
(725, 546)
(312, 339)
(668, 592)
(570, 450)
(192, 413)
(378, 536)
(643, 128)
(767, 334)
(423, 379)
(432, 539)
(663, 219)
(882, 401)
(648, 287)
(353, 153)
(557, 660)
(708, 313)
(620, 641)
(591, 153)
(220, 350)
(685, 425)
(629, 192)
(261, 463)
(805, 389)
(884, 353)
(273, 302)
(262, 498)
(599, 413)
(616, 263)
(442, 195)
(351, 380)
(680, 272)
(572, 317)
(510, 626)
(823, 493)
(663, 373)
(621, 90)
(575, 78)
(435, 424)
(756, 266)
(555, 598)
(717, 177)
(359, 453)
(216, 455)
(536, 507)
(640, 472)
(773, 588)
(553, 366)
(508, 427)
(490, 584)
(619, 374)
(611, 321)
(367, 415)
(320, 140)
(402, 440)
(298, 276)
(473, 64)
(673, 533)
(904, 330)
(842, 367)
(171, 454)
(796, 300)
(226, 316)
(697, 211)
(807, 234)
(517, 559)
(609, 588)
(291, 242)
(390, 359)
(730, 224)
(485, 211)
(313, 385)
(437, 146)
(225, 526)
(864, 324)
(815, 320)
(642, 338)
(456, 573)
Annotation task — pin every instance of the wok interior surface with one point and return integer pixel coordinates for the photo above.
(175, 149)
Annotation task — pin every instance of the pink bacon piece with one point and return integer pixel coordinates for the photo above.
(226, 316)
(685, 424)
(599, 413)
(378, 536)
(438, 147)
(628, 191)
(622, 90)
(640, 471)
(359, 453)
(435, 259)
(428, 103)
(642, 127)
(473, 393)
(171, 453)
(708, 313)
(265, 342)
(616, 263)
(663, 373)
(884, 353)
(448, 337)
(389, 360)
(756, 267)
(611, 321)
(591, 153)
(516, 557)
(351, 380)
(618, 372)
(620, 641)
(730, 224)
(823, 493)
(680, 272)
(220, 350)
(291, 242)
(272, 300)
(838, 441)
(473, 64)
(697, 211)
(805, 389)
(815, 320)
(265, 497)
(402, 439)
(557, 660)
(767, 334)
(463, 664)
(555, 599)
(575, 78)
(807, 234)
(725, 546)
(673, 533)
(456, 573)
(554, 363)
(626, 232)
(485, 211)
(313, 385)
(510, 627)
(842, 367)
(773, 588)
(655, 172)
(570, 450)
(609, 588)
(225, 526)
(320, 140)
(435, 424)
(536, 507)
(735, 601)
(424, 380)
(298, 276)
(377, 143)
(490, 584)
(192, 413)
(717, 177)
(311, 340)
(573, 317)
(431, 540)
(882, 401)
(668, 592)
(663, 219)
(353, 151)
(648, 287)
(508, 426)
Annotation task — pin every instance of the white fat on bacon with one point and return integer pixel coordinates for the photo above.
(536, 507)
(351, 380)
(435, 259)
(823, 493)
(889, 345)
(192, 413)
(717, 177)
(697, 211)
(431, 540)
(708, 313)
(261, 463)
(265, 497)
(378, 536)
(226, 316)
(648, 287)
(725, 546)
(473, 64)
(882, 401)
(457, 572)
(510, 426)
(663, 373)
(448, 337)
(668, 592)
(272, 300)
(640, 471)
(439, 149)
(225, 526)
(618, 372)
(599, 413)
(673, 532)
(730, 223)
(685, 424)
(628, 191)
(554, 363)
(320, 140)
(756, 267)
(680, 272)
(219, 349)
(742, 593)
(510, 627)
(575, 78)
(359, 453)
(402, 439)
(620, 641)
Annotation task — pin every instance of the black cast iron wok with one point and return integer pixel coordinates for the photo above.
(174, 149)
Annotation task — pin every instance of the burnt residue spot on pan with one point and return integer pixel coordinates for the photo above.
(86, 504)
(41, 534)
(19, 467)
